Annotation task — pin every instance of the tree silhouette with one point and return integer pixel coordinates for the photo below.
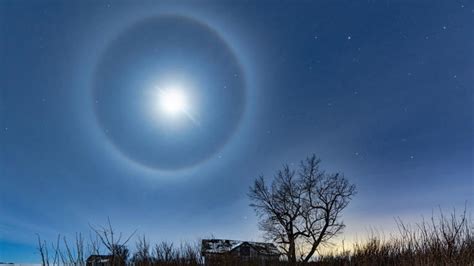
(301, 207)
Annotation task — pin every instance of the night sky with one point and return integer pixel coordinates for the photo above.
(379, 90)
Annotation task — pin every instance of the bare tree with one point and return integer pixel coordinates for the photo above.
(280, 208)
(325, 196)
(164, 252)
(301, 208)
(65, 252)
(113, 243)
(142, 254)
(43, 251)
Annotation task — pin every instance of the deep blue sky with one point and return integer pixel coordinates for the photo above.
(380, 90)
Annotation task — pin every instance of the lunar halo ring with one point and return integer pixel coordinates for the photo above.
(154, 47)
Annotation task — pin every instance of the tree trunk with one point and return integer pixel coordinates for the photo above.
(291, 250)
(317, 242)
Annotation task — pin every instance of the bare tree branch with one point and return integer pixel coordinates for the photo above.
(305, 205)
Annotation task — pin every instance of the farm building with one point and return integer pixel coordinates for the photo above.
(215, 251)
(104, 260)
(99, 260)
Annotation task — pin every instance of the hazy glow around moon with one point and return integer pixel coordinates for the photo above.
(171, 101)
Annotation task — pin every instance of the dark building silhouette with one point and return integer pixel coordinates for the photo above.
(215, 251)
(99, 260)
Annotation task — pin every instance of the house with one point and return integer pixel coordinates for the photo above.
(99, 260)
(215, 251)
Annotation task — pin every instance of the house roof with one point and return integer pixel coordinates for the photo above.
(99, 258)
(221, 246)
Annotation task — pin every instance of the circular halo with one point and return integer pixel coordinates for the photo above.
(137, 103)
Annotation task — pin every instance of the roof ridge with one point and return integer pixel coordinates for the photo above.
(222, 239)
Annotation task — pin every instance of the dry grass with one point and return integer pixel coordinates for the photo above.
(442, 240)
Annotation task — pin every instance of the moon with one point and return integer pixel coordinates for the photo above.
(172, 102)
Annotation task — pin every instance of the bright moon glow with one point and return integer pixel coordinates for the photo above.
(172, 101)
